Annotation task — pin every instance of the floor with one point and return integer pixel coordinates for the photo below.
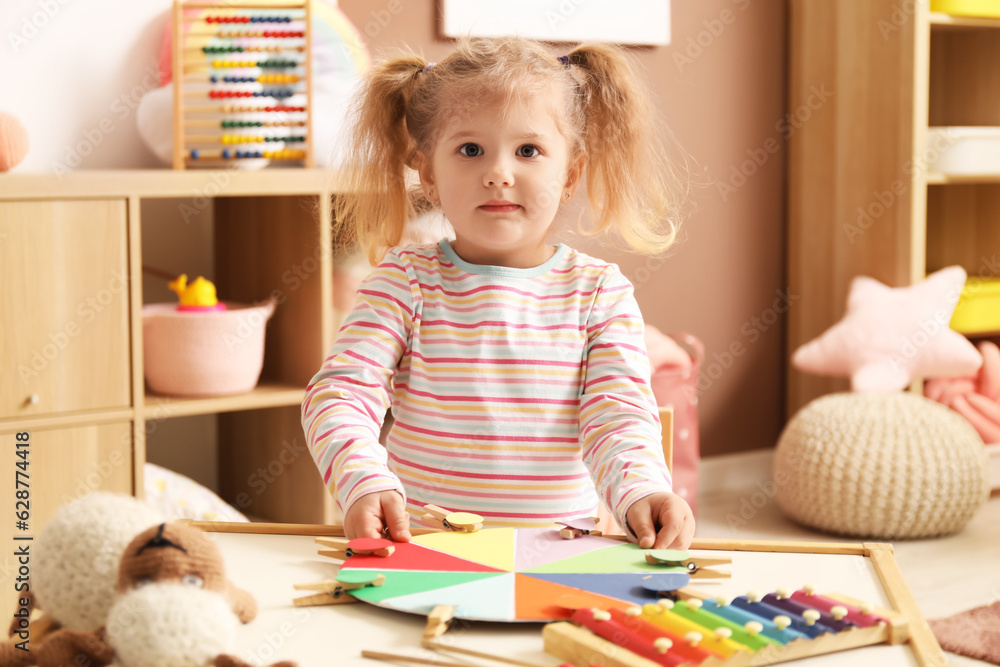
(946, 575)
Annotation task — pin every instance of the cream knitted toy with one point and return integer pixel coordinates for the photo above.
(76, 556)
(174, 608)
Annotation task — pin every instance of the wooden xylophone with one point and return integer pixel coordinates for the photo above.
(751, 629)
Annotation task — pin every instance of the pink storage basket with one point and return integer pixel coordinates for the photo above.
(214, 353)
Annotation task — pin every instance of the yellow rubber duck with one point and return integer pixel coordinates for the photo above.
(200, 293)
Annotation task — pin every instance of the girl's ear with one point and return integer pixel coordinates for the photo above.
(574, 175)
(423, 166)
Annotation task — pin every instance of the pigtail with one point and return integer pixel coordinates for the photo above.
(373, 214)
(630, 182)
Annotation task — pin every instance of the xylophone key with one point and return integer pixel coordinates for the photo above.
(853, 614)
(752, 603)
(742, 617)
(633, 620)
(781, 599)
(601, 623)
(715, 641)
(693, 611)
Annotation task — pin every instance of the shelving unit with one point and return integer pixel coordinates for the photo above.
(71, 346)
(862, 200)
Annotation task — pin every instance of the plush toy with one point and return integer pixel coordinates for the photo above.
(891, 336)
(13, 142)
(76, 556)
(174, 608)
(976, 397)
(75, 566)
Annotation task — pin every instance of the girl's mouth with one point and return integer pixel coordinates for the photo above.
(499, 207)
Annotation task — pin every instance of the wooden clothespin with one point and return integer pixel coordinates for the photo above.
(462, 522)
(578, 527)
(343, 548)
(438, 621)
(697, 568)
(336, 591)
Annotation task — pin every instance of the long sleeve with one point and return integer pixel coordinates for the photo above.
(346, 402)
(619, 425)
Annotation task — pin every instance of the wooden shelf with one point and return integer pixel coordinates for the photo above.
(265, 395)
(938, 178)
(949, 22)
(165, 183)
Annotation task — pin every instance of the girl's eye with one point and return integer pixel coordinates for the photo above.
(528, 151)
(193, 580)
(470, 150)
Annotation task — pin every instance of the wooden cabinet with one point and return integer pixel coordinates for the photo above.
(71, 273)
(863, 199)
(64, 307)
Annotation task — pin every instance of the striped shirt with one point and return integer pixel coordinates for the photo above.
(521, 395)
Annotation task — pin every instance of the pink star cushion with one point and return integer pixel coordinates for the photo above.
(891, 336)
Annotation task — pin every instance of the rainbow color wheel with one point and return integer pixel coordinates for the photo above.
(508, 574)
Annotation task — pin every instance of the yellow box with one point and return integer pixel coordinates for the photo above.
(985, 8)
(978, 309)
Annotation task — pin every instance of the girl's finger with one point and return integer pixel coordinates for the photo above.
(397, 521)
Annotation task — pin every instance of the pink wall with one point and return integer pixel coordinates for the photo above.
(722, 86)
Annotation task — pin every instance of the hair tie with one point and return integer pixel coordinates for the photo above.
(427, 68)
(564, 60)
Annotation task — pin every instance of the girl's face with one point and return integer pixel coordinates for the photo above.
(500, 180)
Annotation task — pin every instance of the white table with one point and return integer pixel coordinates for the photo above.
(268, 565)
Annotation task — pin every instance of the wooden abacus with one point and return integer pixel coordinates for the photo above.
(242, 82)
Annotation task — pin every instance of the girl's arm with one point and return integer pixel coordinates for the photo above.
(346, 401)
(619, 425)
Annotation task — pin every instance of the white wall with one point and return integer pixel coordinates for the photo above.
(73, 72)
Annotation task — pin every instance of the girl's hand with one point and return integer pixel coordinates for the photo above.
(372, 514)
(661, 521)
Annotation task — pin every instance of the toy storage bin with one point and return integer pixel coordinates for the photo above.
(978, 309)
(204, 353)
(967, 150)
(986, 8)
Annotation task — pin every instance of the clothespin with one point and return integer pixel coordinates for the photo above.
(343, 548)
(578, 527)
(336, 591)
(438, 621)
(695, 567)
(460, 522)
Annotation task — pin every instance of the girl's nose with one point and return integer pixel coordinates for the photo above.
(499, 174)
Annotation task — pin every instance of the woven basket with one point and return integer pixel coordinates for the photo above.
(214, 353)
(888, 466)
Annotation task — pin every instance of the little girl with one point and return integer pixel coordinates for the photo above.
(515, 370)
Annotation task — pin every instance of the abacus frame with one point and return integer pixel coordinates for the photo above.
(179, 161)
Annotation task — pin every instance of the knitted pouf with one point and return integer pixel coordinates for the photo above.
(888, 466)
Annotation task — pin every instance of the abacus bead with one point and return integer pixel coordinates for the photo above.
(225, 153)
(194, 153)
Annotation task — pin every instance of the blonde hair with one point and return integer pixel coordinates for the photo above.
(607, 114)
